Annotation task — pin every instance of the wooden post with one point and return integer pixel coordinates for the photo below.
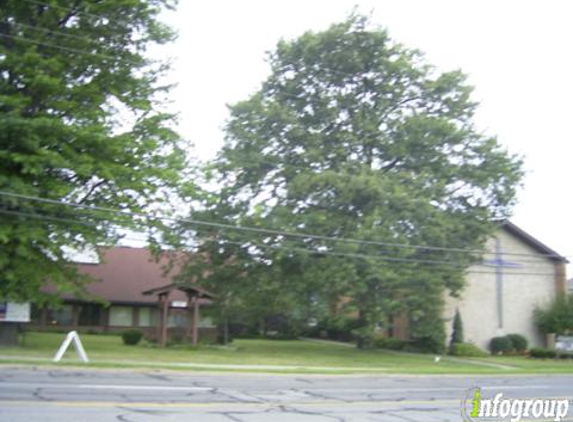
(195, 327)
(160, 324)
(189, 331)
(164, 321)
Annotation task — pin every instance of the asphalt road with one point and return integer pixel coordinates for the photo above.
(30, 395)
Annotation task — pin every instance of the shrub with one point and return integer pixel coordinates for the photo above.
(542, 353)
(500, 345)
(425, 345)
(389, 343)
(457, 331)
(557, 318)
(518, 342)
(467, 350)
(131, 337)
(340, 328)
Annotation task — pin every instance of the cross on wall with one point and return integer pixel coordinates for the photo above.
(499, 263)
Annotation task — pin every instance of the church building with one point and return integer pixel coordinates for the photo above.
(517, 275)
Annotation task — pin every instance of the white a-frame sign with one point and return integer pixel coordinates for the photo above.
(72, 336)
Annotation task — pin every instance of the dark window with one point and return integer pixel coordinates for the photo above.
(90, 314)
(36, 314)
(60, 316)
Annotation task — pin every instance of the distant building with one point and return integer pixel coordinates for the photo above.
(122, 275)
(518, 275)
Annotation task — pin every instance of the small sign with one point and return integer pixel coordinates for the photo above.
(564, 343)
(72, 336)
(178, 304)
(14, 312)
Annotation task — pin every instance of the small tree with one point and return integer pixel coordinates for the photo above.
(458, 330)
(557, 318)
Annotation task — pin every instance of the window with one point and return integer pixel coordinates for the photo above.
(121, 316)
(36, 314)
(60, 316)
(90, 314)
(178, 319)
(148, 317)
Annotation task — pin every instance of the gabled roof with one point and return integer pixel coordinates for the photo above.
(533, 242)
(189, 288)
(124, 273)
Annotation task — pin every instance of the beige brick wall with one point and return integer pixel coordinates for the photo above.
(521, 295)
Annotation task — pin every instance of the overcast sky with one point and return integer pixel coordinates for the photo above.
(518, 55)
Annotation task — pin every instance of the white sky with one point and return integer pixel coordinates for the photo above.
(518, 55)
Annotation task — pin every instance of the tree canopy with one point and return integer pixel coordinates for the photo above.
(356, 136)
(81, 121)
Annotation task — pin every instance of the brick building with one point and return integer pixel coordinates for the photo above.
(116, 300)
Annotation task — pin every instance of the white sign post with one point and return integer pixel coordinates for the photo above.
(14, 312)
(564, 343)
(72, 336)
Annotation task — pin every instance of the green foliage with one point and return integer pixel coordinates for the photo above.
(352, 136)
(131, 337)
(500, 345)
(556, 318)
(426, 345)
(518, 342)
(427, 330)
(82, 123)
(458, 331)
(542, 353)
(467, 350)
(389, 343)
(339, 328)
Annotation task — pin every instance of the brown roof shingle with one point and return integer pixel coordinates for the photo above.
(124, 273)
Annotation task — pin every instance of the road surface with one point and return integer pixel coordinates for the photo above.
(40, 394)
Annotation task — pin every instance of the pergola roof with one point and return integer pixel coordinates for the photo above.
(189, 288)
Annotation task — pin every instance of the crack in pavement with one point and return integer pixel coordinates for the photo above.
(325, 397)
(290, 409)
(123, 418)
(159, 377)
(249, 398)
(38, 393)
(230, 416)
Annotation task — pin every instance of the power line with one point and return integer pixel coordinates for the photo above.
(67, 221)
(383, 257)
(46, 217)
(59, 33)
(67, 9)
(315, 253)
(58, 47)
(256, 229)
(364, 256)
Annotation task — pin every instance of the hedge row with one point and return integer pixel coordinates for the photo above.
(508, 344)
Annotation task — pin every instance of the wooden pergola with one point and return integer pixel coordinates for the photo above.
(194, 293)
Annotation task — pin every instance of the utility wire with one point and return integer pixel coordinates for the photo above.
(58, 47)
(66, 9)
(362, 256)
(256, 229)
(37, 216)
(58, 33)
(316, 253)
(250, 242)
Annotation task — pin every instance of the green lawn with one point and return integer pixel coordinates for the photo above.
(294, 356)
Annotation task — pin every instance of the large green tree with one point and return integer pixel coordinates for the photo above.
(355, 136)
(81, 121)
